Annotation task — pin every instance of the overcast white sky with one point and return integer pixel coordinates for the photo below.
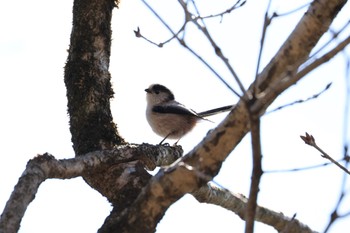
(33, 50)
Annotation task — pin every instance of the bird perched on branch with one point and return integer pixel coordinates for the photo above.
(170, 119)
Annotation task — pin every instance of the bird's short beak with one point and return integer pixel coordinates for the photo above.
(148, 90)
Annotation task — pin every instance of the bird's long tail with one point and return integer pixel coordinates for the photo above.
(216, 111)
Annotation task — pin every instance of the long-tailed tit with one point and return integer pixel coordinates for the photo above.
(170, 119)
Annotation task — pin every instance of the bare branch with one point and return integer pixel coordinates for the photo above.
(138, 34)
(302, 100)
(160, 18)
(46, 166)
(310, 140)
(210, 67)
(254, 120)
(237, 5)
(300, 168)
(267, 22)
(215, 46)
(335, 214)
(190, 18)
(290, 12)
(237, 203)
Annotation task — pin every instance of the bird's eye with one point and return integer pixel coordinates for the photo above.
(157, 92)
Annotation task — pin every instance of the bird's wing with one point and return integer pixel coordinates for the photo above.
(174, 108)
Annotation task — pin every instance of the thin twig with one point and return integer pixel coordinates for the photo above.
(300, 168)
(267, 22)
(292, 11)
(310, 140)
(237, 5)
(217, 49)
(174, 35)
(257, 172)
(138, 34)
(301, 100)
(211, 68)
(160, 18)
(335, 215)
(182, 42)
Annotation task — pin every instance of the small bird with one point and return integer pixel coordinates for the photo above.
(170, 119)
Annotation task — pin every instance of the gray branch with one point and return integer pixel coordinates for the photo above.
(237, 203)
(46, 166)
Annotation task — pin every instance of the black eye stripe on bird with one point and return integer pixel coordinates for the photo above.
(170, 119)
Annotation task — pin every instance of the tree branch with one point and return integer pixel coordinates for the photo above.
(257, 172)
(335, 214)
(46, 166)
(309, 140)
(281, 71)
(215, 46)
(237, 203)
(87, 77)
(89, 91)
(314, 96)
(191, 18)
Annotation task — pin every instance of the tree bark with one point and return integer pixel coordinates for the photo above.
(237, 203)
(87, 77)
(89, 91)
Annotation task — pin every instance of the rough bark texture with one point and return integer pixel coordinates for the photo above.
(87, 77)
(89, 91)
